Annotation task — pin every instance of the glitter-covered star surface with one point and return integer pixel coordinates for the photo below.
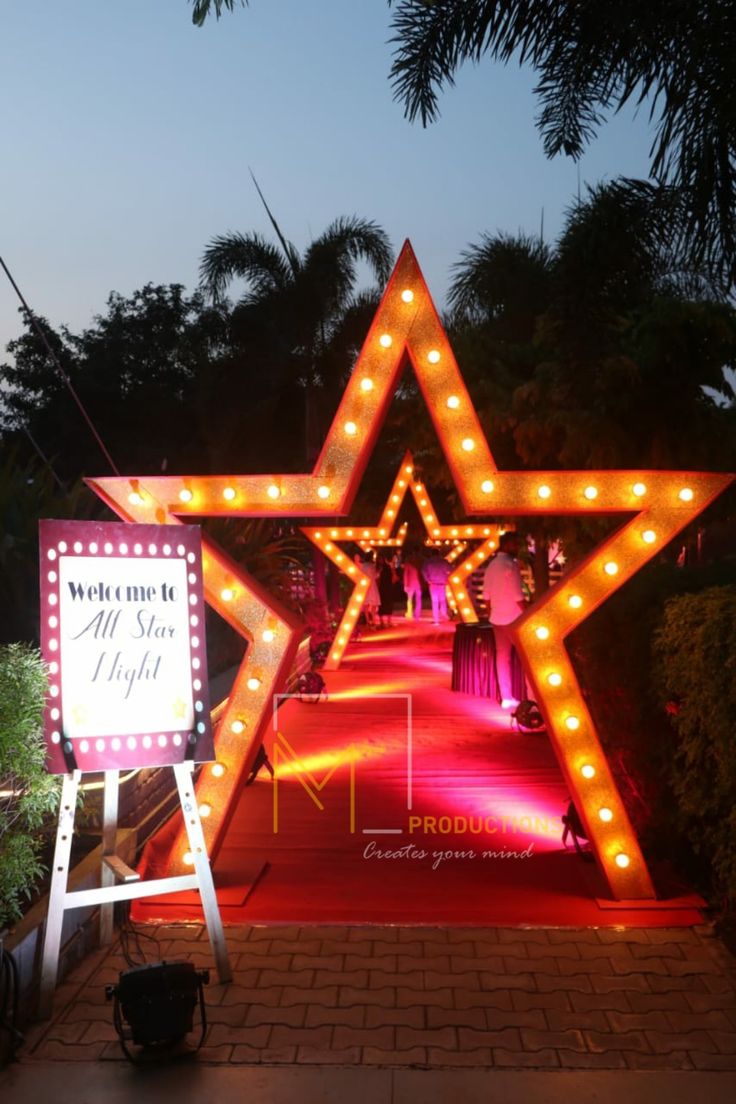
(406, 326)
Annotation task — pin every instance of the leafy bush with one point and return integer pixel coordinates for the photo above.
(695, 665)
(27, 793)
(612, 654)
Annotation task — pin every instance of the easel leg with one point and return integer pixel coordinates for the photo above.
(109, 842)
(57, 893)
(195, 835)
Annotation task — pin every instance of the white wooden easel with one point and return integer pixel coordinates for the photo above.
(119, 882)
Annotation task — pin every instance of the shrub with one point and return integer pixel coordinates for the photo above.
(695, 665)
(27, 792)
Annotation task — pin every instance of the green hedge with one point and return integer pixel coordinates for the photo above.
(695, 670)
(627, 690)
(27, 793)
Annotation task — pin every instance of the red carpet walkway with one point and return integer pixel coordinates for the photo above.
(456, 814)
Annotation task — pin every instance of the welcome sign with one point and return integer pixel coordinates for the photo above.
(123, 635)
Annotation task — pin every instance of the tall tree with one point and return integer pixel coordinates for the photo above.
(594, 353)
(137, 370)
(592, 57)
(299, 306)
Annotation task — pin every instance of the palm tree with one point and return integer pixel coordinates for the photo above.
(301, 303)
(594, 353)
(593, 56)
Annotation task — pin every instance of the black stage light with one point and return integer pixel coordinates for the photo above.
(154, 1004)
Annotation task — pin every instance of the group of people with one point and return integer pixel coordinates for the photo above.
(503, 592)
(394, 580)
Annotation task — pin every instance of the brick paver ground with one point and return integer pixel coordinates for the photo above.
(657, 999)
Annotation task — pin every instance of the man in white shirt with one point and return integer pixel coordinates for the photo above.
(504, 593)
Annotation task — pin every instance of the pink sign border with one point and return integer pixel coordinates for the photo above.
(121, 541)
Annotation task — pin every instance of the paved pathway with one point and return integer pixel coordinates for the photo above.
(505, 998)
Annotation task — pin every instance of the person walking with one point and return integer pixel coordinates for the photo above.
(503, 590)
(386, 578)
(412, 587)
(437, 571)
(372, 598)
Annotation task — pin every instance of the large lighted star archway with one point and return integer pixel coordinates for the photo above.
(406, 325)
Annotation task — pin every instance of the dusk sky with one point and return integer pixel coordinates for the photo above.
(128, 134)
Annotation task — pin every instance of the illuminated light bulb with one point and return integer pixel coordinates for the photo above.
(366, 533)
(351, 429)
(468, 567)
(605, 815)
(622, 860)
(323, 492)
(273, 491)
(135, 499)
(407, 295)
(237, 727)
(268, 635)
(318, 536)
(402, 483)
(587, 770)
(468, 444)
(205, 809)
(422, 502)
(486, 486)
(185, 495)
(649, 536)
(429, 518)
(544, 491)
(341, 640)
(467, 612)
(350, 532)
(218, 769)
(639, 489)
(253, 683)
(575, 601)
(382, 532)
(339, 557)
(188, 858)
(395, 498)
(366, 384)
(227, 594)
(436, 532)
(352, 569)
(453, 532)
(573, 723)
(408, 469)
(390, 513)
(385, 340)
(433, 356)
(591, 493)
(541, 633)
(686, 494)
(335, 655)
(611, 568)
(456, 578)
(554, 678)
(453, 402)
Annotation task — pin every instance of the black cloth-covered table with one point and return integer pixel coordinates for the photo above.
(474, 663)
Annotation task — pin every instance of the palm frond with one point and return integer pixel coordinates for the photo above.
(331, 258)
(202, 8)
(243, 256)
